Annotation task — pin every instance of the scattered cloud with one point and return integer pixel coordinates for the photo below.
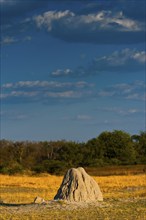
(121, 111)
(120, 61)
(105, 123)
(99, 22)
(140, 56)
(93, 28)
(60, 72)
(84, 117)
(131, 91)
(8, 40)
(79, 71)
(79, 117)
(67, 94)
(45, 91)
(11, 40)
(102, 20)
(46, 85)
(126, 60)
(132, 9)
(136, 96)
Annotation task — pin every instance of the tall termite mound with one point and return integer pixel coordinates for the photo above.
(78, 186)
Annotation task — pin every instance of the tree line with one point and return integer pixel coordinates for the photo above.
(109, 148)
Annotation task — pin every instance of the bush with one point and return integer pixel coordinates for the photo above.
(39, 169)
(14, 169)
(50, 166)
(4, 170)
(55, 166)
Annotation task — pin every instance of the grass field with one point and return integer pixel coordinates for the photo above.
(124, 198)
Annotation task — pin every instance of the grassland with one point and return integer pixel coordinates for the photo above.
(124, 198)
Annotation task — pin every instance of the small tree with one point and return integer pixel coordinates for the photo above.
(117, 145)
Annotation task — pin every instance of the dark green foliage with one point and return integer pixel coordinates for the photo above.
(14, 169)
(117, 147)
(140, 146)
(109, 148)
(50, 166)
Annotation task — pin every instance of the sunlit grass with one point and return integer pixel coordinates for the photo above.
(124, 198)
(20, 189)
(23, 189)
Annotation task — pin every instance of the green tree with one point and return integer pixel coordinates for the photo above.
(117, 146)
(140, 146)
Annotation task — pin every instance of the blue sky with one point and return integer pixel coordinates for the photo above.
(72, 69)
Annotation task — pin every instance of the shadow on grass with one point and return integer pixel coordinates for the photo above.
(16, 205)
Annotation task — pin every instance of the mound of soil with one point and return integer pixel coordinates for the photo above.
(78, 186)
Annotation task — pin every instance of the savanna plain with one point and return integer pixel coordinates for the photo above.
(124, 192)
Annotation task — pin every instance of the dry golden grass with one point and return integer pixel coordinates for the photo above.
(23, 189)
(124, 198)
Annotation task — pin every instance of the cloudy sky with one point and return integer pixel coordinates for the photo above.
(72, 69)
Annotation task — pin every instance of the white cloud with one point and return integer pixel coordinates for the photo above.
(100, 27)
(136, 96)
(140, 56)
(126, 60)
(7, 85)
(133, 111)
(43, 91)
(121, 58)
(83, 84)
(131, 91)
(104, 93)
(66, 94)
(84, 117)
(112, 23)
(3, 96)
(126, 88)
(49, 17)
(60, 72)
(79, 117)
(127, 24)
(22, 94)
(46, 84)
(103, 20)
(8, 40)
(121, 111)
